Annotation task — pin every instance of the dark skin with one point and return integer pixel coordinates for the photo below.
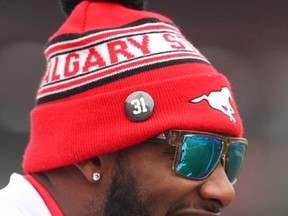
(136, 181)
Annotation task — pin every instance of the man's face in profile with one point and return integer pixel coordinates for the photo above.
(144, 184)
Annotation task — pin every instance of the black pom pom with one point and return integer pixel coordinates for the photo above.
(134, 4)
(68, 5)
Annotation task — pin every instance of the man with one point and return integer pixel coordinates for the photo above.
(131, 120)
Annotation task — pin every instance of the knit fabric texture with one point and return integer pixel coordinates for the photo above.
(104, 52)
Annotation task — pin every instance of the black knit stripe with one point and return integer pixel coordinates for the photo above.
(115, 77)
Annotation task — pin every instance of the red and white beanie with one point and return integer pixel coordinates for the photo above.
(116, 76)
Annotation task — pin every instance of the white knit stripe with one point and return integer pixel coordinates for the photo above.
(102, 37)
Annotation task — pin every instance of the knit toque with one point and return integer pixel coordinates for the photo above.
(116, 76)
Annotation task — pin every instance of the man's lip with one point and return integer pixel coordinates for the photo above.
(194, 212)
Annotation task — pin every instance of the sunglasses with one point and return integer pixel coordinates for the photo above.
(198, 153)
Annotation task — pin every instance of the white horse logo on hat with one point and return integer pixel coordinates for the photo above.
(219, 100)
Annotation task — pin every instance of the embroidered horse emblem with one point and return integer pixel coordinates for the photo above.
(219, 100)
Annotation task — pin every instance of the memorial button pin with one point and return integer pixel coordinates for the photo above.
(139, 106)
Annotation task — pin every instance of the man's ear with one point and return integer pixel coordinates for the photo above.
(89, 167)
(102, 164)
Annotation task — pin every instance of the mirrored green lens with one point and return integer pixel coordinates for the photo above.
(198, 156)
(235, 158)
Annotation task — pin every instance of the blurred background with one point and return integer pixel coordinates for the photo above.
(246, 40)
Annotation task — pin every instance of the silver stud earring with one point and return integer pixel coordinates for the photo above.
(96, 176)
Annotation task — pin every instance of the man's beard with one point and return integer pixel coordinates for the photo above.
(123, 196)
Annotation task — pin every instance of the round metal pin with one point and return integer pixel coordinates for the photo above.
(139, 106)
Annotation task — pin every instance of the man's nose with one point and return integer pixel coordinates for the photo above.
(218, 188)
